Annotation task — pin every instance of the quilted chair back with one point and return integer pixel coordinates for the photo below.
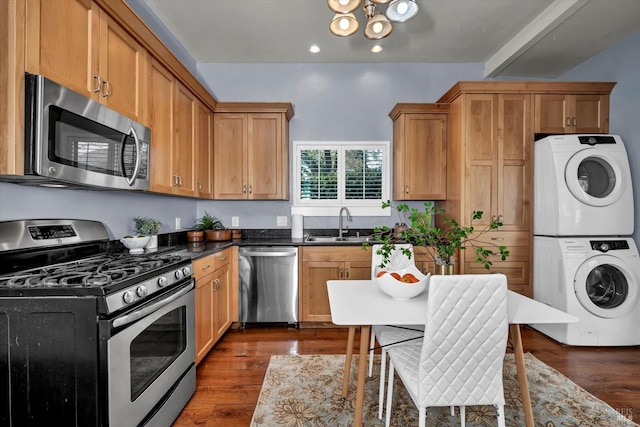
(397, 260)
(464, 341)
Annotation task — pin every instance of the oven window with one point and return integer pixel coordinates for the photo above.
(156, 348)
(81, 143)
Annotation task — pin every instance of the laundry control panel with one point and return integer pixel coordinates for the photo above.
(608, 245)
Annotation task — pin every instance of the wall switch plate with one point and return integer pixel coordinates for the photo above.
(235, 221)
(178, 225)
(281, 221)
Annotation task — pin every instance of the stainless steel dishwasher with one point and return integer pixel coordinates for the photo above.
(268, 284)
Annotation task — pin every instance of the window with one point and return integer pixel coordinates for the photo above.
(334, 174)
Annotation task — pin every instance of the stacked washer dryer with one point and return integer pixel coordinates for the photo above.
(582, 263)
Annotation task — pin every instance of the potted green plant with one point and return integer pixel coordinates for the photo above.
(213, 228)
(442, 243)
(145, 226)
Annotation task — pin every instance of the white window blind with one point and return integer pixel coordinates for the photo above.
(352, 174)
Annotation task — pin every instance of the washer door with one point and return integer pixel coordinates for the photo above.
(593, 178)
(606, 286)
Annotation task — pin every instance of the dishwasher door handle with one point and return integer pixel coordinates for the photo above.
(263, 254)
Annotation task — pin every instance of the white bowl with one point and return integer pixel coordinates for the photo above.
(135, 244)
(403, 290)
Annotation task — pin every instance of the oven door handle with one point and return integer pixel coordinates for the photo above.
(139, 314)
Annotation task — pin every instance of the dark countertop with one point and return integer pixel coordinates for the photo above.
(175, 243)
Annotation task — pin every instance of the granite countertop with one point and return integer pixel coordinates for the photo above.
(175, 243)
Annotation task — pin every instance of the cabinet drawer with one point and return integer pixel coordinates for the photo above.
(517, 272)
(210, 263)
(336, 253)
(516, 253)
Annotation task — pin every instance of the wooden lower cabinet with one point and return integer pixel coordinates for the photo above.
(321, 263)
(213, 299)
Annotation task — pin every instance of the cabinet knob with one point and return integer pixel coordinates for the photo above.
(244, 189)
(406, 189)
(199, 185)
(250, 190)
(568, 121)
(575, 121)
(500, 219)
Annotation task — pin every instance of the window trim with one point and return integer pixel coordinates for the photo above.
(332, 207)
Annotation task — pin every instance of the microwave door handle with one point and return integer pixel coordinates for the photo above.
(133, 133)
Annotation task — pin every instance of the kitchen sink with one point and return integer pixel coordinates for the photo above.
(335, 239)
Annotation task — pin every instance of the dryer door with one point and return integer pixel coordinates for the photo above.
(606, 286)
(594, 178)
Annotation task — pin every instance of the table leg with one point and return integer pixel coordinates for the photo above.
(347, 362)
(514, 331)
(362, 372)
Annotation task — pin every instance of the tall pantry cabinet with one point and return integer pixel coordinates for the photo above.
(492, 127)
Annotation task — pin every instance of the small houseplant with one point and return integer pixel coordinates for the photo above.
(145, 226)
(441, 242)
(213, 228)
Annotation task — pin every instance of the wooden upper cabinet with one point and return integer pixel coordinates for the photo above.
(419, 151)
(251, 151)
(571, 113)
(76, 44)
(181, 126)
(203, 161)
(162, 88)
(499, 147)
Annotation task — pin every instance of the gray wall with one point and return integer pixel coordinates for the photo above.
(331, 101)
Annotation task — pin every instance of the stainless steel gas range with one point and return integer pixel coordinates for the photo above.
(88, 336)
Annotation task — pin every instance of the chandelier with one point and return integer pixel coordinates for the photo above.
(378, 26)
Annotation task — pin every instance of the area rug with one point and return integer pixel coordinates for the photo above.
(301, 391)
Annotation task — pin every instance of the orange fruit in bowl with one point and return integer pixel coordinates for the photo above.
(396, 276)
(381, 273)
(409, 278)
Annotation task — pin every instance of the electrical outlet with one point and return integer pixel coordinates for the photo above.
(281, 221)
(235, 221)
(178, 225)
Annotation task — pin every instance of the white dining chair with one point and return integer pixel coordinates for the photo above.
(459, 361)
(388, 335)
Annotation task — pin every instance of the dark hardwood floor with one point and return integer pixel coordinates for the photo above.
(230, 377)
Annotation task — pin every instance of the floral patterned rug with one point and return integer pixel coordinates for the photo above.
(300, 391)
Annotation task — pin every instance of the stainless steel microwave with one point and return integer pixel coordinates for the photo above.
(71, 140)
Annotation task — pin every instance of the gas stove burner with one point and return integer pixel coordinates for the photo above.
(98, 271)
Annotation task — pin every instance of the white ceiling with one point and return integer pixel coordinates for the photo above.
(520, 38)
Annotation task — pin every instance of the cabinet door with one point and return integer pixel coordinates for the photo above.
(481, 157)
(357, 270)
(123, 63)
(264, 156)
(571, 114)
(222, 316)
(552, 114)
(204, 150)
(514, 160)
(161, 102)
(230, 141)
(204, 312)
(591, 114)
(419, 157)
(314, 295)
(184, 142)
(62, 39)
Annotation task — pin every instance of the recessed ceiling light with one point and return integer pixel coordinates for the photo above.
(314, 48)
(377, 48)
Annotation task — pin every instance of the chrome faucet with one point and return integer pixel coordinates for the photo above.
(340, 230)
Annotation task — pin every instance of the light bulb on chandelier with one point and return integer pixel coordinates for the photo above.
(378, 25)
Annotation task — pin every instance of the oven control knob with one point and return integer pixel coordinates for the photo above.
(128, 297)
(186, 271)
(142, 291)
(604, 247)
(178, 274)
(163, 281)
